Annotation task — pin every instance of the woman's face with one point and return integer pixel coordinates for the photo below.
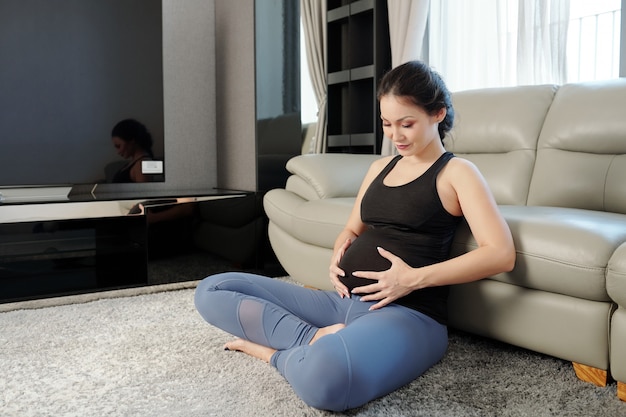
(125, 149)
(408, 126)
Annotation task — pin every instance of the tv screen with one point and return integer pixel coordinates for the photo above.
(70, 72)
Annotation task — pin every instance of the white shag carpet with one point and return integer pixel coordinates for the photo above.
(153, 355)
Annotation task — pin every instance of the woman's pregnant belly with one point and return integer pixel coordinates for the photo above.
(362, 255)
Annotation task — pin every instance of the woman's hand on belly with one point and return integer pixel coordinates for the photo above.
(390, 285)
(335, 272)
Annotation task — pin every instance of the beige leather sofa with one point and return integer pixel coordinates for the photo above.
(555, 159)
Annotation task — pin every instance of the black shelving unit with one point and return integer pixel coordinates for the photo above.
(358, 55)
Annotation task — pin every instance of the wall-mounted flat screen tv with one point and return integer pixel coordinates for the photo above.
(70, 71)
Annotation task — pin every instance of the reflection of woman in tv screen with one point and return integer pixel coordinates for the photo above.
(133, 142)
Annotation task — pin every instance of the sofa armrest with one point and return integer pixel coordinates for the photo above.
(328, 175)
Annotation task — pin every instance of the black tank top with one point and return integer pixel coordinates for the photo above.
(409, 221)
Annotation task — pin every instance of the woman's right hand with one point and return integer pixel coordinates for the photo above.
(336, 272)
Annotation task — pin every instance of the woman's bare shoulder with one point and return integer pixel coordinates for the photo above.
(375, 168)
(461, 165)
(381, 162)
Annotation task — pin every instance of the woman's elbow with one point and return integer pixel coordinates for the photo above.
(508, 258)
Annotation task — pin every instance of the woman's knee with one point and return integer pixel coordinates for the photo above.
(206, 291)
(323, 379)
(214, 282)
(204, 286)
(327, 395)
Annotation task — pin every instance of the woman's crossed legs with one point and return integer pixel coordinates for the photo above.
(375, 353)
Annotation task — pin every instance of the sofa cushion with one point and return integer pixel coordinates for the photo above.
(332, 175)
(560, 250)
(581, 152)
(316, 222)
(618, 341)
(297, 185)
(497, 129)
(616, 276)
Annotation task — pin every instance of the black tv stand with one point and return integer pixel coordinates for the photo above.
(54, 249)
(68, 256)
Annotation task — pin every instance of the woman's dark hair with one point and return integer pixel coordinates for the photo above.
(425, 88)
(131, 129)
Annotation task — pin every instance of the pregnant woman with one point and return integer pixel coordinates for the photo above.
(385, 323)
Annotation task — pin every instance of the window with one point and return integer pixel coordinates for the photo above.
(308, 102)
(593, 40)
(491, 43)
(478, 43)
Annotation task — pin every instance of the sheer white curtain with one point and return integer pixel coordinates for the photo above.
(407, 27)
(542, 40)
(495, 43)
(472, 44)
(313, 14)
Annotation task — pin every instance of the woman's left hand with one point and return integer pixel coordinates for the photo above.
(392, 283)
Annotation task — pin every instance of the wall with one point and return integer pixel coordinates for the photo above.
(189, 71)
(235, 91)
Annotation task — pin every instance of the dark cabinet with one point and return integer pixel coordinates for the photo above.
(60, 257)
(358, 55)
(81, 245)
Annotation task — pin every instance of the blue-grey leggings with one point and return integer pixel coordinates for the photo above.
(376, 353)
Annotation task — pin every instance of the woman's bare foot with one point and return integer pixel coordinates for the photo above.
(253, 349)
(327, 330)
(265, 353)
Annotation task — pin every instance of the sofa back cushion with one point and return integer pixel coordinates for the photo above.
(581, 153)
(328, 175)
(497, 129)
